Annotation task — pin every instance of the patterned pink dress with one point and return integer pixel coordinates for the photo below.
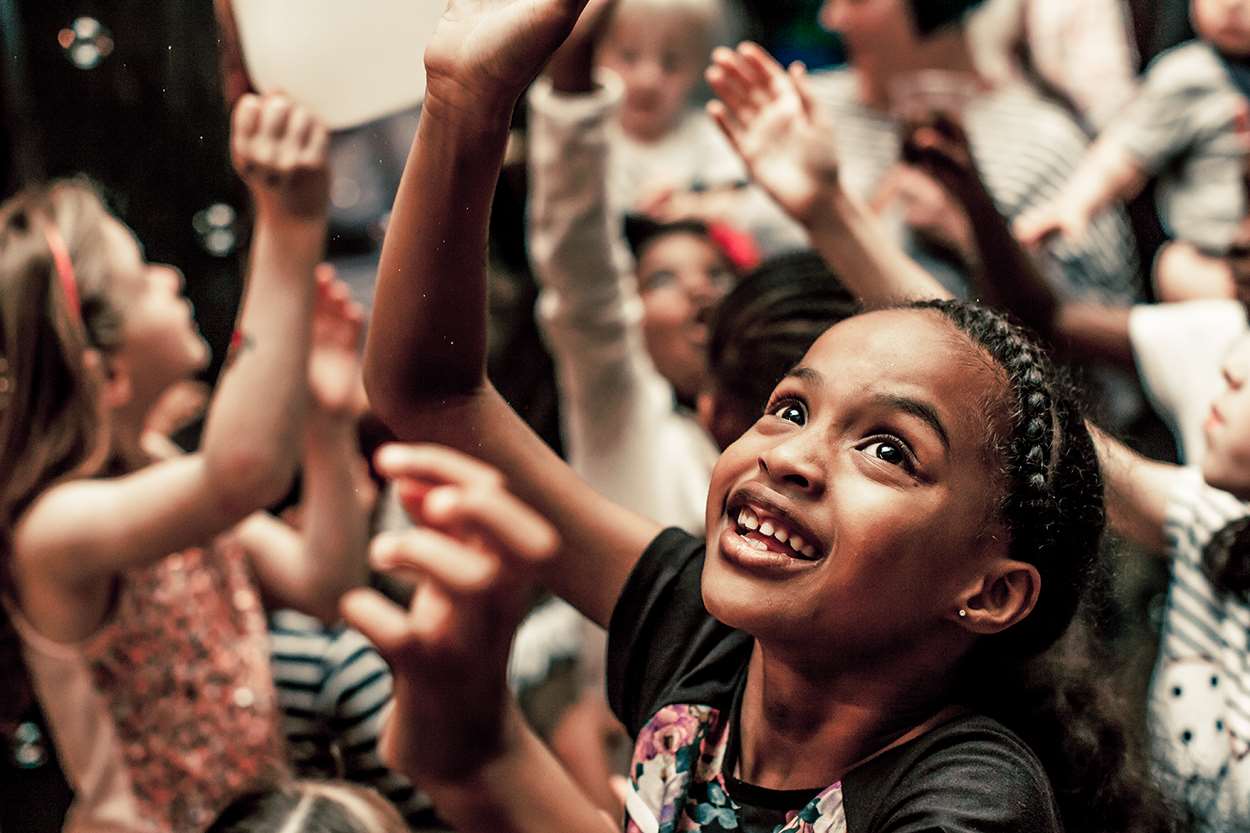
(169, 710)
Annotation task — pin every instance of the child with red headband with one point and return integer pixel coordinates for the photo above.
(131, 581)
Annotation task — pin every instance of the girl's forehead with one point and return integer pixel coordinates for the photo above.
(917, 349)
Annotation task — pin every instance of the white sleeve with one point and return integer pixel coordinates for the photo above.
(1179, 349)
(617, 410)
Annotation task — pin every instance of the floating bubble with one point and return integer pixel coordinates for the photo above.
(217, 229)
(86, 42)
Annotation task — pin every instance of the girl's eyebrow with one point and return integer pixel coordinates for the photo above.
(921, 410)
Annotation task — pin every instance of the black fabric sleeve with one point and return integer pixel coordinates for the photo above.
(970, 776)
(663, 646)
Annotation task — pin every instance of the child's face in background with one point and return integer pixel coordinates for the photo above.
(895, 513)
(660, 56)
(161, 343)
(1225, 24)
(1227, 429)
(681, 275)
(870, 26)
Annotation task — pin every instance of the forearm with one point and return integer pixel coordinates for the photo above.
(575, 238)
(1107, 174)
(251, 440)
(336, 508)
(1006, 276)
(524, 791)
(1136, 492)
(867, 262)
(428, 334)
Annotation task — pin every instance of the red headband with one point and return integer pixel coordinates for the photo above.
(64, 270)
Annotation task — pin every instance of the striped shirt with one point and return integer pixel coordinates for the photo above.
(1200, 693)
(1026, 149)
(333, 688)
(1182, 127)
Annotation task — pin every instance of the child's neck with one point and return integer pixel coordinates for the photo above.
(126, 428)
(798, 731)
(877, 72)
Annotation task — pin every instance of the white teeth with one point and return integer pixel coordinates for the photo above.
(766, 528)
(781, 534)
(749, 520)
(757, 544)
(809, 551)
(796, 543)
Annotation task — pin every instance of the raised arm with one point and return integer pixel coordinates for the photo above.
(454, 728)
(88, 530)
(770, 118)
(1006, 274)
(1108, 173)
(424, 363)
(310, 569)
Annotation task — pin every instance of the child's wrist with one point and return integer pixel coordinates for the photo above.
(456, 105)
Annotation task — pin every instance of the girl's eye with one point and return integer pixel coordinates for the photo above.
(892, 452)
(791, 411)
(658, 280)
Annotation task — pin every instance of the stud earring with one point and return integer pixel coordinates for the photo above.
(963, 614)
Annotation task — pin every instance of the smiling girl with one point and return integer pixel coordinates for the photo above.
(912, 520)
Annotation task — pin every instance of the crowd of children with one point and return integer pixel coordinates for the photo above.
(843, 360)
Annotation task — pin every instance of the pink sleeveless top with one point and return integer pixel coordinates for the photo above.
(168, 711)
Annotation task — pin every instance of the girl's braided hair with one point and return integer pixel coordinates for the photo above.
(1060, 701)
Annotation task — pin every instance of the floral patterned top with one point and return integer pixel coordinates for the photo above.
(168, 711)
(675, 677)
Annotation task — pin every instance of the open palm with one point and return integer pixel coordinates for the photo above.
(769, 118)
(483, 46)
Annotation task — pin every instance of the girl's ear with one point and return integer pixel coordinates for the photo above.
(115, 382)
(1003, 596)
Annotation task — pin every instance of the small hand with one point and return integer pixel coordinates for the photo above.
(334, 362)
(449, 650)
(486, 52)
(928, 208)
(769, 117)
(1057, 220)
(279, 149)
(939, 147)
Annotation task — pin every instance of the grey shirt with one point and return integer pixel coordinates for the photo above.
(1182, 128)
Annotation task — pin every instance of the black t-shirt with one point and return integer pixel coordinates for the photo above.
(675, 676)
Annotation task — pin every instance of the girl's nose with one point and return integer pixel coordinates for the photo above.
(791, 464)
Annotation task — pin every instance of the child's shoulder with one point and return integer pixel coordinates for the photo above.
(929, 777)
(1194, 63)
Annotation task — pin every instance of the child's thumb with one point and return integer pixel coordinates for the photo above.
(382, 622)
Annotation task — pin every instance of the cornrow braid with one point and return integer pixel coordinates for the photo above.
(1059, 701)
(1052, 503)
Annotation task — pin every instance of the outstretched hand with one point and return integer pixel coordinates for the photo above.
(769, 117)
(490, 50)
(334, 362)
(279, 148)
(939, 147)
(1057, 220)
(449, 650)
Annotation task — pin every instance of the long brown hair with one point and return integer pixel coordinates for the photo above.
(50, 413)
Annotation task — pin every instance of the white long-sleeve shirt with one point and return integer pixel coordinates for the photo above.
(623, 431)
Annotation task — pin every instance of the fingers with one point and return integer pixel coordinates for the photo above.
(509, 523)
(728, 124)
(435, 464)
(731, 84)
(274, 139)
(802, 86)
(424, 553)
(383, 622)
